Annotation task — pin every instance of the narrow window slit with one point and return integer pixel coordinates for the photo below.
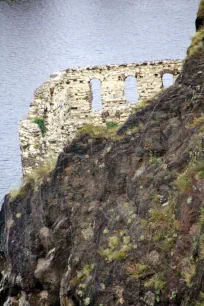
(167, 80)
(96, 94)
(131, 93)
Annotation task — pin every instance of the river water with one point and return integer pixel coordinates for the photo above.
(38, 37)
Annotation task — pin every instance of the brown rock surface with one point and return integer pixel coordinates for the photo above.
(119, 221)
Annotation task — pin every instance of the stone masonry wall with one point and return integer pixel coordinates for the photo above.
(65, 104)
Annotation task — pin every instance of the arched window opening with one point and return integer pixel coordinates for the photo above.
(167, 80)
(96, 94)
(131, 94)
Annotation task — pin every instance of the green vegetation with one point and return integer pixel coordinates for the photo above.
(196, 122)
(200, 13)
(142, 104)
(158, 282)
(82, 276)
(20, 192)
(154, 159)
(162, 227)
(37, 175)
(81, 280)
(87, 301)
(184, 181)
(111, 125)
(14, 193)
(41, 123)
(137, 271)
(107, 132)
(93, 131)
(194, 169)
(118, 248)
(146, 102)
(200, 303)
(35, 178)
(134, 129)
(174, 295)
(132, 218)
(97, 132)
(197, 44)
(188, 274)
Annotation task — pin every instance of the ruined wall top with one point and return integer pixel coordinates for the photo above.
(121, 66)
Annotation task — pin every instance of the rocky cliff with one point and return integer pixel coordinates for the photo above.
(120, 218)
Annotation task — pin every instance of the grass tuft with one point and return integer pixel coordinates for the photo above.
(111, 125)
(163, 228)
(98, 132)
(137, 271)
(118, 248)
(157, 282)
(197, 44)
(196, 122)
(82, 275)
(142, 104)
(201, 297)
(41, 123)
(184, 181)
(14, 193)
(20, 192)
(189, 274)
(37, 176)
(199, 304)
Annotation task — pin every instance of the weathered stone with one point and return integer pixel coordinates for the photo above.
(87, 233)
(153, 258)
(149, 298)
(64, 103)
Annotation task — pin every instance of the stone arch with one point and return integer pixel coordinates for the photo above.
(131, 92)
(96, 101)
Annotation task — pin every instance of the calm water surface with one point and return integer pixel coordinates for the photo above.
(38, 37)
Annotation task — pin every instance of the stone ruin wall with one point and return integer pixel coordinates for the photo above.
(65, 104)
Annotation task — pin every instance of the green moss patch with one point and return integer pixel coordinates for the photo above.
(41, 123)
(111, 125)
